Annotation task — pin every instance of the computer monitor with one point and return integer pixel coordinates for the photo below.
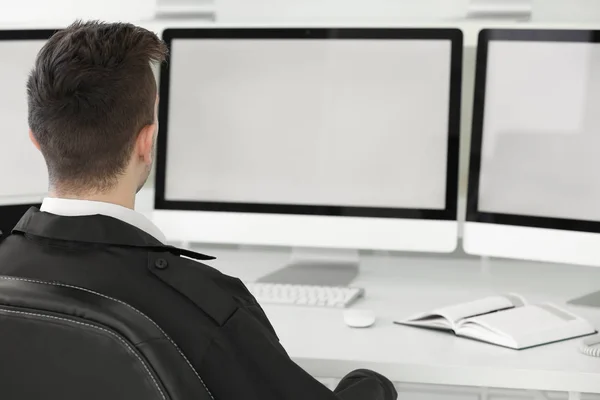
(23, 175)
(534, 184)
(335, 138)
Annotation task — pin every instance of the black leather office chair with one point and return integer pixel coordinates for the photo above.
(59, 342)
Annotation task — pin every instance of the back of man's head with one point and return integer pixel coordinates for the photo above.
(91, 91)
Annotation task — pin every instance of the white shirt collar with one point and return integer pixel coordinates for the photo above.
(74, 208)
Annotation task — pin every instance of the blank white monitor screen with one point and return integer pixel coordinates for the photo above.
(23, 175)
(540, 153)
(358, 123)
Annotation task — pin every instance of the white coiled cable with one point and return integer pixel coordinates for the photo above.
(591, 346)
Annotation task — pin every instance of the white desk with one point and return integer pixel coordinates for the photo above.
(398, 287)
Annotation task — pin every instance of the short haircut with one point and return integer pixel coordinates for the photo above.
(90, 93)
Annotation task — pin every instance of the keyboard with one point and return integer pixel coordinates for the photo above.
(302, 295)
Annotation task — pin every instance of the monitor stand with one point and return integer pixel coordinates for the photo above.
(317, 267)
(589, 300)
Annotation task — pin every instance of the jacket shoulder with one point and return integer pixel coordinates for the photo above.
(217, 294)
(232, 288)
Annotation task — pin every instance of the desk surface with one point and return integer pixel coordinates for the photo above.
(400, 286)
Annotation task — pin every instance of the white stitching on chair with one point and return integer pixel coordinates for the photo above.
(2, 310)
(125, 304)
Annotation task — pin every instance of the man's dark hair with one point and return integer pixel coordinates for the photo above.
(91, 91)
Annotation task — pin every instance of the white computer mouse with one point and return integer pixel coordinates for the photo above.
(359, 318)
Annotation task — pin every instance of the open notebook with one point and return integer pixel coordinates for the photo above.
(505, 321)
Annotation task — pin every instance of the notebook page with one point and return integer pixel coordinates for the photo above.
(486, 305)
(432, 322)
(534, 324)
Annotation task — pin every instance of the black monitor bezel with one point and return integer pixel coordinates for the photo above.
(473, 212)
(14, 35)
(451, 199)
(26, 34)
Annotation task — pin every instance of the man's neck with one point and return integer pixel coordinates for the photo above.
(114, 197)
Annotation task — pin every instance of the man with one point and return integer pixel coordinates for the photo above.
(92, 113)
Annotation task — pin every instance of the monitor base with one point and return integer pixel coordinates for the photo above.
(317, 267)
(589, 300)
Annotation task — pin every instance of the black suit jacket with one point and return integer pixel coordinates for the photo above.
(212, 317)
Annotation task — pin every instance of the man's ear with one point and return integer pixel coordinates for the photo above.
(145, 143)
(34, 140)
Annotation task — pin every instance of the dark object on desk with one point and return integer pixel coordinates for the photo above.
(338, 274)
(10, 215)
(212, 317)
(60, 342)
(589, 300)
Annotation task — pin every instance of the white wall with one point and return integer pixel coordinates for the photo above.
(15, 12)
(400, 11)
(566, 10)
(351, 11)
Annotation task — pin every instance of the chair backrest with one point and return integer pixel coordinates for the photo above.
(63, 342)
